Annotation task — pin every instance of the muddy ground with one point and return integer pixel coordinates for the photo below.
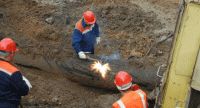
(43, 28)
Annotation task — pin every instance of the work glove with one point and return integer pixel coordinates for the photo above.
(98, 39)
(82, 55)
(27, 82)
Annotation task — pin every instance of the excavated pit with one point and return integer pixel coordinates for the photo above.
(43, 28)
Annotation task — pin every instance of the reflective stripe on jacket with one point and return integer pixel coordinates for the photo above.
(132, 99)
(84, 37)
(7, 68)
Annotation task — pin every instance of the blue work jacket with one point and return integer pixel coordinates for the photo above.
(12, 86)
(84, 37)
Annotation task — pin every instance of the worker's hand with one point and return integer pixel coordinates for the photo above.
(27, 82)
(98, 39)
(82, 55)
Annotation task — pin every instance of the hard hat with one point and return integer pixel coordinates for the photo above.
(123, 80)
(8, 45)
(89, 17)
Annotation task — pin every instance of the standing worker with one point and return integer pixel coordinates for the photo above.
(133, 96)
(12, 84)
(85, 35)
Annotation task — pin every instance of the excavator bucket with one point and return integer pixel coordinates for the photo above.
(176, 88)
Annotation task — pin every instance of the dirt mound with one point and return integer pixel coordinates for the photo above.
(125, 27)
(121, 17)
(129, 28)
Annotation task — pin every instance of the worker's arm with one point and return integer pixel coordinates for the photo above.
(96, 30)
(19, 84)
(76, 39)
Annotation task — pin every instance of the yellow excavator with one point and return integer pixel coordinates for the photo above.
(180, 87)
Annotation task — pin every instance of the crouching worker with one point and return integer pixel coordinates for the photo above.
(12, 84)
(85, 35)
(132, 95)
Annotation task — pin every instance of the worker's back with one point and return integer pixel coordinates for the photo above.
(132, 99)
(12, 87)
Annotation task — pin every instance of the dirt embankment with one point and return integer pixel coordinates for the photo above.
(43, 28)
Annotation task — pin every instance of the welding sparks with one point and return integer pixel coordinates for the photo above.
(100, 68)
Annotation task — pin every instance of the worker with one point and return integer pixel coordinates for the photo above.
(133, 96)
(12, 84)
(85, 35)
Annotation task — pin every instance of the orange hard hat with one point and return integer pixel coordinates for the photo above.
(8, 45)
(89, 17)
(123, 80)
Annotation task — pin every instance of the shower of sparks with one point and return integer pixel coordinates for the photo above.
(100, 68)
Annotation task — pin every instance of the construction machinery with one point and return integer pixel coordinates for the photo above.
(180, 87)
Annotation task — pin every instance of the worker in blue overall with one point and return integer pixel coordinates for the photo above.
(85, 35)
(13, 84)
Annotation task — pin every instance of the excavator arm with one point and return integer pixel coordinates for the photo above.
(176, 86)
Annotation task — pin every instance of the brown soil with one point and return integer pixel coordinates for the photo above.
(53, 90)
(129, 27)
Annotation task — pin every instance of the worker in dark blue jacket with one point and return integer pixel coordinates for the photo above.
(12, 84)
(85, 35)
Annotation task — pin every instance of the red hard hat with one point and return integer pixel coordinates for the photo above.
(89, 17)
(123, 80)
(8, 45)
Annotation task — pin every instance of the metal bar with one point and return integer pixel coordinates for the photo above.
(91, 59)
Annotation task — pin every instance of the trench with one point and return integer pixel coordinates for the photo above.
(130, 27)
